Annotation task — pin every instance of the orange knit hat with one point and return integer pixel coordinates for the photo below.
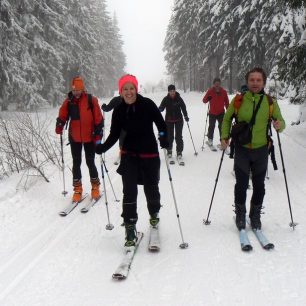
(77, 84)
(128, 78)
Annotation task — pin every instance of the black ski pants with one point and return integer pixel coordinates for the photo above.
(139, 171)
(76, 152)
(178, 126)
(254, 161)
(212, 124)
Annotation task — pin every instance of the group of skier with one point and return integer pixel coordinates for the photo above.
(132, 123)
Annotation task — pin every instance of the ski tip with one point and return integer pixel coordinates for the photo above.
(269, 246)
(62, 214)
(154, 249)
(246, 248)
(84, 211)
(118, 276)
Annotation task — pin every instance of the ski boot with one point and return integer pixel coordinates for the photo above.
(255, 212)
(130, 235)
(95, 191)
(154, 220)
(240, 216)
(77, 188)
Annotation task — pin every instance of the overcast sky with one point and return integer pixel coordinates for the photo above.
(143, 25)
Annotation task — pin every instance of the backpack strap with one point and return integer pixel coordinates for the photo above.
(270, 100)
(238, 99)
(90, 104)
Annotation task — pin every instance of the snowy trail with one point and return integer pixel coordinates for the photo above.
(48, 260)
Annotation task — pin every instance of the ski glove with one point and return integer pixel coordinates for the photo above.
(104, 106)
(59, 126)
(100, 148)
(209, 98)
(163, 140)
(97, 139)
(186, 118)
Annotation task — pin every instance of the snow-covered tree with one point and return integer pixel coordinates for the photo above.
(44, 44)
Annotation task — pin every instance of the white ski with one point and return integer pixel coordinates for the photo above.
(154, 242)
(123, 269)
(71, 206)
(180, 161)
(89, 205)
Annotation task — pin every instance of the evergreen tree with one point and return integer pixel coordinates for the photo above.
(292, 65)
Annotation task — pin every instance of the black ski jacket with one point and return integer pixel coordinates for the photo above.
(112, 104)
(136, 121)
(174, 108)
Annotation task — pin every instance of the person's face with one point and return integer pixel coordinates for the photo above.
(172, 93)
(255, 82)
(129, 93)
(217, 86)
(77, 93)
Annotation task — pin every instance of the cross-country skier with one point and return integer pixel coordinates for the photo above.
(85, 130)
(140, 162)
(175, 106)
(251, 157)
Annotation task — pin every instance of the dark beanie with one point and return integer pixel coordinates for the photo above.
(216, 80)
(171, 87)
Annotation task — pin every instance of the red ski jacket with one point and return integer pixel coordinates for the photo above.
(219, 101)
(86, 121)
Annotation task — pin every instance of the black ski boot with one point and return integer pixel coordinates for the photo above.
(130, 235)
(255, 212)
(154, 220)
(240, 216)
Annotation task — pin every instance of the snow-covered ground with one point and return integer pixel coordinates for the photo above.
(49, 260)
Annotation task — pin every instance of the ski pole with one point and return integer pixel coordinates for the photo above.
(64, 192)
(195, 152)
(183, 245)
(110, 182)
(207, 222)
(104, 117)
(292, 224)
(205, 128)
(109, 226)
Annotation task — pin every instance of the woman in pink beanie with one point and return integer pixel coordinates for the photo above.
(140, 162)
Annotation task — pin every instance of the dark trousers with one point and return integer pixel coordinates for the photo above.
(76, 152)
(256, 162)
(143, 171)
(212, 124)
(178, 126)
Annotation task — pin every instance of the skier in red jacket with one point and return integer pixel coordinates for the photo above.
(85, 130)
(218, 102)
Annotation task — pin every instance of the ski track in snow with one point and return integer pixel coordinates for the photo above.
(49, 260)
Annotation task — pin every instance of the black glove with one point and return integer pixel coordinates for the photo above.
(209, 98)
(163, 140)
(186, 118)
(104, 106)
(100, 148)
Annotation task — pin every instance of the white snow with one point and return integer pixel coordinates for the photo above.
(50, 260)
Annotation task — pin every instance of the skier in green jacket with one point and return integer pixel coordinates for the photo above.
(251, 156)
